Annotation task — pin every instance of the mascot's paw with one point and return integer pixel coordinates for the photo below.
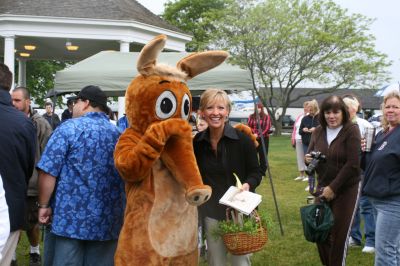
(247, 130)
(198, 195)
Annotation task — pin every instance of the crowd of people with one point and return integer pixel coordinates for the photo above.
(61, 174)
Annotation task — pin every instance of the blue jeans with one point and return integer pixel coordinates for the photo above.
(368, 212)
(60, 251)
(387, 237)
(305, 148)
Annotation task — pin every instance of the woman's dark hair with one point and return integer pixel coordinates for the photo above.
(261, 113)
(334, 103)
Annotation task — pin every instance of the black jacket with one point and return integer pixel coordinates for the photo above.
(307, 122)
(236, 154)
(17, 157)
(382, 166)
(66, 115)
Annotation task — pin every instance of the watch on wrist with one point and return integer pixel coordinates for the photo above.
(42, 206)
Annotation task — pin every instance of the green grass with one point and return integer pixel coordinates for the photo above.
(291, 248)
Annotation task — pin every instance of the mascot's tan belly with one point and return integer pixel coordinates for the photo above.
(175, 235)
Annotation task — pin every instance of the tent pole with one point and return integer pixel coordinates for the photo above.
(264, 150)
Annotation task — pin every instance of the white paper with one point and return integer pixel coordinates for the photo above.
(242, 201)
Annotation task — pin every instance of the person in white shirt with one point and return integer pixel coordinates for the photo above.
(298, 144)
(364, 209)
(4, 219)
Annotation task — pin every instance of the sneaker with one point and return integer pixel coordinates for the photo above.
(305, 179)
(34, 259)
(353, 242)
(299, 178)
(367, 249)
(307, 188)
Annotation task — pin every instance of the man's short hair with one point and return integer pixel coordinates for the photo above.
(5, 77)
(25, 92)
(48, 103)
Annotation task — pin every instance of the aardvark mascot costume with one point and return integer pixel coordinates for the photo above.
(155, 158)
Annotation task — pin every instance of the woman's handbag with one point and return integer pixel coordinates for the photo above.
(317, 221)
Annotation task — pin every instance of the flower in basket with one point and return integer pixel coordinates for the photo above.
(243, 234)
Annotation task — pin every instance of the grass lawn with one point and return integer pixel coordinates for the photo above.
(291, 248)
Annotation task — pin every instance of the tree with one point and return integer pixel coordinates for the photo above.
(40, 78)
(194, 17)
(290, 43)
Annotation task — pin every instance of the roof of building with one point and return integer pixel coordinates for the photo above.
(129, 10)
(367, 97)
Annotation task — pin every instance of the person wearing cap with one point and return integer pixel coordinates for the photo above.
(81, 195)
(67, 114)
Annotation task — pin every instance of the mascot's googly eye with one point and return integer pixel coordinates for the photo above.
(185, 107)
(166, 105)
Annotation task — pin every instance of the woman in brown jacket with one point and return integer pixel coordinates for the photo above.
(339, 176)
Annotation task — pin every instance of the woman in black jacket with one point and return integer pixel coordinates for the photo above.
(221, 151)
(309, 123)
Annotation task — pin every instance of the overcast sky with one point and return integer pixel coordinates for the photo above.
(386, 27)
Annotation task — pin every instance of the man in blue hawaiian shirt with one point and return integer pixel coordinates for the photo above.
(80, 192)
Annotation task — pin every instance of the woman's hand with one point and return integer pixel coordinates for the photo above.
(307, 158)
(306, 129)
(245, 187)
(328, 193)
(311, 129)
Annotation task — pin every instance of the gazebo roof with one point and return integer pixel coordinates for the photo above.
(129, 10)
(91, 25)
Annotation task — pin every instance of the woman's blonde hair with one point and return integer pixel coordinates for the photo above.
(351, 102)
(211, 96)
(384, 122)
(313, 105)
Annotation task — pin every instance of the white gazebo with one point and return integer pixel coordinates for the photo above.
(76, 29)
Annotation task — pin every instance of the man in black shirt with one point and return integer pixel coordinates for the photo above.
(17, 158)
(51, 117)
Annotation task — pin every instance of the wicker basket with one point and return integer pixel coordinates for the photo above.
(241, 243)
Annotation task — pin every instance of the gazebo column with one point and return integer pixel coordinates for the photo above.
(21, 72)
(123, 47)
(9, 55)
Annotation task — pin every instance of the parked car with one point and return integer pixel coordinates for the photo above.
(287, 121)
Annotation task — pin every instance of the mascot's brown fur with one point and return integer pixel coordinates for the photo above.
(155, 158)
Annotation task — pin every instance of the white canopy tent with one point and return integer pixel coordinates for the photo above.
(113, 71)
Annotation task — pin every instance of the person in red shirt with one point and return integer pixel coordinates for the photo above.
(265, 124)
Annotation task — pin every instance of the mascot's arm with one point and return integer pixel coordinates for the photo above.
(135, 155)
(247, 130)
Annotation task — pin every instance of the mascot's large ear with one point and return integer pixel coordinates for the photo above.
(198, 63)
(148, 55)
